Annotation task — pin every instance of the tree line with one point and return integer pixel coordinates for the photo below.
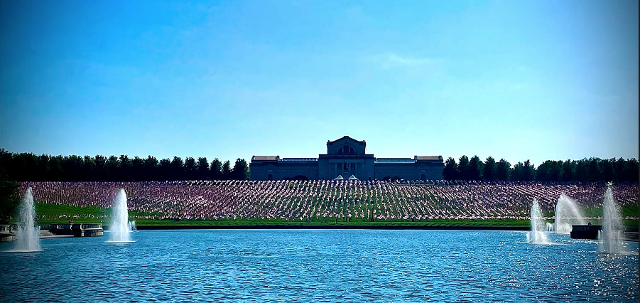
(585, 170)
(30, 167)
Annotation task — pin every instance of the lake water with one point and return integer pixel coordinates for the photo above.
(319, 266)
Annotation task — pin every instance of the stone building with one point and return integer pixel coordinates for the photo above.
(346, 157)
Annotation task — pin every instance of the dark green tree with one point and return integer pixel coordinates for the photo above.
(630, 172)
(23, 166)
(203, 168)
(32, 167)
(475, 168)
(6, 158)
(502, 170)
(9, 198)
(568, 170)
(581, 170)
(190, 169)
(517, 172)
(556, 171)
(619, 167)
(112, 166)
(226, 170)
(450, 169)
(463, 168)
(101, 168)
(216, 169)
(528, 171)
(137, 167)
(594, 172)
(72, 168)
(124, 169)
(549, 171)
(43, 168)
(55, 168)
(177, 168)
(607, 166)
(165, 170)
(151, 169)
(240, 170)
(89, 168)
(489, 170)
(543, 171)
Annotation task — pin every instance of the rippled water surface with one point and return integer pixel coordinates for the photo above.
(319, 266)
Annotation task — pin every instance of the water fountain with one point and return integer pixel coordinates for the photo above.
(537, 234)
(567, 214)
(550, 226)
(120, 230)
(611, 233)
(28, 237)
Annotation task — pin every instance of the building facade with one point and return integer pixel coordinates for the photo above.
(346, 157)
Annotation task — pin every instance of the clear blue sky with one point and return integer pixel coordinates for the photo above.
(510, 79)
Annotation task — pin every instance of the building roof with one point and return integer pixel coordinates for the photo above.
(345, 137)
(429, 158)
(265, 158)
(395, 160)
(299, 159)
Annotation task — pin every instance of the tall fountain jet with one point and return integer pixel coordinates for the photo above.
(120, 230)
(537, 234)
(611, 233)
(28, 237)
(567, 213)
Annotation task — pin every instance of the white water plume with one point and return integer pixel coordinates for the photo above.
(537, 234)
(612, 229)
(28, 235)
(567, 214)
(120, 229)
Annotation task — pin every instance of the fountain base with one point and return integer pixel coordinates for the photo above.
(585, 232)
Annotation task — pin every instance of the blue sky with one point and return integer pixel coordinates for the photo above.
(510, 79)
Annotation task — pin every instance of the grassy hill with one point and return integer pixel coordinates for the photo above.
(318, 202)
(51, 213)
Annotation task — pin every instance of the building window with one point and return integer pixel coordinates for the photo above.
(270, 177)
(346, 150)
(346, 167)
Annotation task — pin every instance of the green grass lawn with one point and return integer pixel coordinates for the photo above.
(92, 214)
(53, 210)
(332, 222)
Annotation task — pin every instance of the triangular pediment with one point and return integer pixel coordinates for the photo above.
(346, 139)
(346, 146)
